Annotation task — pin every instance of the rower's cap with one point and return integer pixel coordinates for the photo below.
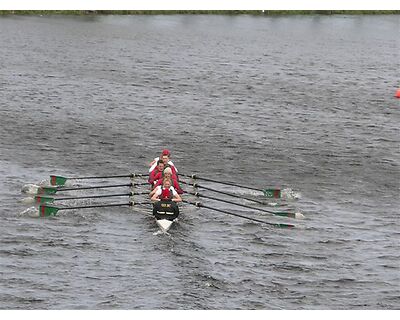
(166, 152)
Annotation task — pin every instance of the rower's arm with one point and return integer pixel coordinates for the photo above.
(152, 193)
(155, 197)
(177, 198)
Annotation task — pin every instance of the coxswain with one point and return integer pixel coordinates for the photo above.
(165, 157)
(168, 174)
(165, 192)
(156, 174)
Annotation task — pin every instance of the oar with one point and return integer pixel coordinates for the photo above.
(295, 215)
(269, 193)
(46, 210)
(47, 199)
(53, 190)
(60, 181)
(196, 185)
(280, 225)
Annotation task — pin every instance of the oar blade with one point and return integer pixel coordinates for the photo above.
(47, 211)
(283, 214)
(57, 180)
(272, 193)
(294, 215)
(43, 199)
(284, 225)
(47, 190)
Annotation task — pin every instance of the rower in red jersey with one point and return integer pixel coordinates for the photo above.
(156, 174)
(166, 192)
(167, 174)
(160, 175)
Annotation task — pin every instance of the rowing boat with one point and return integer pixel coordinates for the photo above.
(164, 224)
(165, 213)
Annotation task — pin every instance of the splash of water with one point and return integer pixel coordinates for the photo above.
(30, 188)
(28, 200)
(290, 194)
(30, 212)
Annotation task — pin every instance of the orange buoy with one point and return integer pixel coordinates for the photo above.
(397, 93)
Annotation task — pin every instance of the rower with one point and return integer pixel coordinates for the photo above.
(165, 157)
(168, 174)
(156, 173)
(165, 192)
(165, 205)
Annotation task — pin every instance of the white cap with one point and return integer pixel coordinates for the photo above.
(167, 170)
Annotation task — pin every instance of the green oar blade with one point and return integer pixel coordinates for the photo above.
(294, 215)
(272, 193)
(46, 210)
(284, 225)
(43, 199)
(47, 190)
(57, 180)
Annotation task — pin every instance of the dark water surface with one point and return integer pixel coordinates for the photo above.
(296, 102)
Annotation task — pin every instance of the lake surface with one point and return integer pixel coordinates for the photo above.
(299, 102)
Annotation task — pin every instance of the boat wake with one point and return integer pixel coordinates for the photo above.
(158, 232)
(290, 194)
(30, 212)
(273, 204)
(28, 200)
(30, 189)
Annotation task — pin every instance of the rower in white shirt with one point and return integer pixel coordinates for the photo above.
(165, 157)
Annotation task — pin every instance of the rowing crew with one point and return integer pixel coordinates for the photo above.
(163, 177)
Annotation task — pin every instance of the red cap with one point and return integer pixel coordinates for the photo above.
(165, 152)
